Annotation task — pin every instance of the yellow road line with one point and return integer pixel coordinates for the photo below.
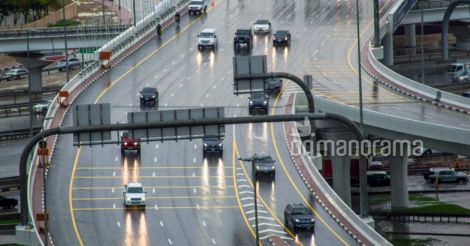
(247, 223)
(153, 197)
(151, 177)
(262, 200)
(157, 187)
(72, 215)
(150, 209)
(281, 161)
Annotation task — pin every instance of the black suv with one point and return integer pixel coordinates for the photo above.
(281, 38)
(8, 203)
(258, 102)
(273, 86)
(243, 37)
(149, 95)
(263, 164)
(297, 215)
(212, 144)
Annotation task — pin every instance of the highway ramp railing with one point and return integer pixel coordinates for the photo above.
(321, 191)
(121, 47)
(411, 88)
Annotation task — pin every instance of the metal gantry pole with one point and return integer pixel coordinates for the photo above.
(422, 46)
(255, 187)
(133, 10)
(30, 97)
(362, 165)
(376, 24)
(65, 44)
(102, 8)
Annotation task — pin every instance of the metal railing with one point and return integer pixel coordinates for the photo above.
(431, 4)
(59, 31)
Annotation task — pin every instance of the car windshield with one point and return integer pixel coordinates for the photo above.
(257, 96)
(207, 35)
(196, 2)
(135, 190)
(451, 68)
(243, 32)
(301, 211)
(211, 138)
(281, 33)
(262, 22)
(148, 90)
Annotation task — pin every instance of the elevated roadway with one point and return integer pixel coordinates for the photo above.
(204, 202)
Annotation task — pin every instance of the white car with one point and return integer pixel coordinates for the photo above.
(134, 195)
(16, 73)
(73, 63)
(207, 39)
(262, 26)
(41, 108)
(197, 6)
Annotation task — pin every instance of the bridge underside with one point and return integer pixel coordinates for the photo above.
(55, 43)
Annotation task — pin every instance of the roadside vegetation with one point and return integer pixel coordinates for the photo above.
(30, 9)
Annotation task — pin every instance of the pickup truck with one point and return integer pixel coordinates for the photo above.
(197, 6)
(134, 195)
(243, 37)
(129, 144)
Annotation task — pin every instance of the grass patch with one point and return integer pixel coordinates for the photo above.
(438, 209)
(421, 198)
(401, 241)
(377, 200)
(9, 222)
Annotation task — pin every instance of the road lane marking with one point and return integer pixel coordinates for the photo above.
(170, 242)
(155, 159)
(204, 223)
(236, 189)
(160, 208)
(171, 166)
(161, 223)
(118, 224)
(71, 209)
(157, 187)
(154, 197)
(397, 108)
(213, 241)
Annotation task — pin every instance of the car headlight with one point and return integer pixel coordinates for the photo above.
(220, 144)
(257, 167)
(125, 143)
(143, 199)
(265, 102)
(135, 143)
(312, 220)
(274, 39)
(128, 199)
(153, 96)
(251, 102)
(272, 167)
(205, 145)
(297, 220)
(285, 39)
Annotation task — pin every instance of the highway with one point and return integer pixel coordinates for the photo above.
(193, 201)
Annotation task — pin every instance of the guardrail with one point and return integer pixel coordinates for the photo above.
(59, 31)
(419, 91)
(9, 183)
(17, 134)
(117, 46)
(431, 4)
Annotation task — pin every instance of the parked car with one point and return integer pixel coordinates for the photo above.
(16, 73)
(378, 178)
(445, 174)
(466, 94)
(297, 215)
(212, 144)
(7, 203)
(74, 63)
(134, 195)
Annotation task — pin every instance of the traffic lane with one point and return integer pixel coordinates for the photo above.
(59, 173)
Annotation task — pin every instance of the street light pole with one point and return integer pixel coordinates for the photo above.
(422, 46)
(29, 90)
(102, 7)
(133, 10)
(376, 24)
(362, 165)
(255, 192)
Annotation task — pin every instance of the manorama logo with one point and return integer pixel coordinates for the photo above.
(382, 147)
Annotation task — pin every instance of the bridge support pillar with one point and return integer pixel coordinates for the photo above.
(410, 39)
(34, 66)
(340, 159)
(399, 177)
(388, 49)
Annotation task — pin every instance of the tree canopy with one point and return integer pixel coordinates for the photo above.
(28, 8)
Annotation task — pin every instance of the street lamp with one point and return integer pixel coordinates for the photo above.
(255, 188)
